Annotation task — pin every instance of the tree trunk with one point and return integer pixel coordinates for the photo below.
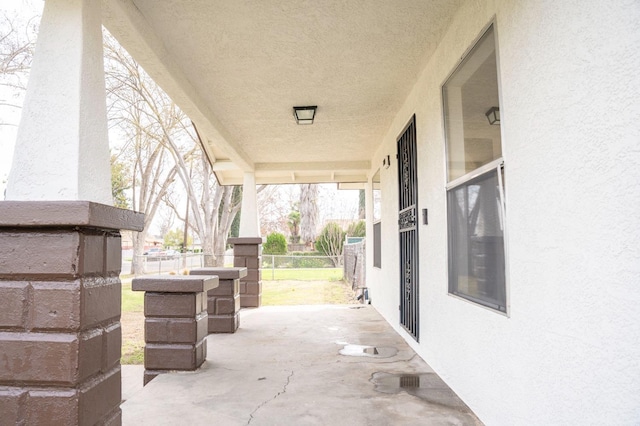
(308, 212)
(229, 208)
(137, 261)
(362, 209)
(207, 250)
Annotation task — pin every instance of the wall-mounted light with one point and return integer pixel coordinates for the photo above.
(386, 162)
(493, 115)
(304, 114)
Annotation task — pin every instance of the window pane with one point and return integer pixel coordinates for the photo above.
(470, 92)
(377, 197)
(377, 215)
(377, 245)
(476, 241)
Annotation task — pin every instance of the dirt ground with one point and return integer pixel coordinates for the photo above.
(132, 324)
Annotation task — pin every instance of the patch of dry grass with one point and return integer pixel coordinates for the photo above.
(306, 293)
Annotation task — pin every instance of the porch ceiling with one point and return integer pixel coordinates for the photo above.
(238, 67)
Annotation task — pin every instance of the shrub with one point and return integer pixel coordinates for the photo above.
(330, 242)
(276, 244)
(357, 229)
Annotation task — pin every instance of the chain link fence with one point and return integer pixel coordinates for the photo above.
(274, 267)
(290, 267)
(173, 264)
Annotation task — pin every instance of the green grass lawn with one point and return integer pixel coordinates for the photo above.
(320, 274)
(132, 326)
(132, 301)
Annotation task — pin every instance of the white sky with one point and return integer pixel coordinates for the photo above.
(21, 10)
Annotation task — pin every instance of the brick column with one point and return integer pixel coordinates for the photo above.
(247, 252)
(175, 325)
(60, 292)
(223, 302)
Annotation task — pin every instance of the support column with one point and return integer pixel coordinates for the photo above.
(223, 302)
(247, 249)
(60, 291)
(247, 253)
(249, 218)
(62, 149)
(175, 325)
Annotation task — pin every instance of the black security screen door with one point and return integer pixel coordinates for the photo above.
(408, 226)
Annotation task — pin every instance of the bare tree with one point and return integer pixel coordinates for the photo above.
(212, 207)
(362, 209)
(274, 204)
(145, 119)
(16, 49)
(16, 52)
(308, 207)
(167, 218)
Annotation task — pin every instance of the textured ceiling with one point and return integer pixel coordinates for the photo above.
(238, 67)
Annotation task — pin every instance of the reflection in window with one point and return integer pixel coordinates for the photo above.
(475, 199)
(468, 95)
(377, 197)
(476, 241)
(377, 215)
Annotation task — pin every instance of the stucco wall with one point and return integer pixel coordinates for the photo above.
(569, 350)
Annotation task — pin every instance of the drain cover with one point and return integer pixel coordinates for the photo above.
(368, 351)
(410, 381)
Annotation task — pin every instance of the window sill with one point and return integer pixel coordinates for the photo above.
(479, 305)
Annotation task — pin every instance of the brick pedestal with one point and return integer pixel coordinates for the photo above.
(60, 292)
(223, 302)
(247, 252)
(175, 325)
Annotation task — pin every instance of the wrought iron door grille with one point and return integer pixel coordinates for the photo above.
(407, 224)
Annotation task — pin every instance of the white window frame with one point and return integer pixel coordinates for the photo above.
(377, 220)
(498, 164)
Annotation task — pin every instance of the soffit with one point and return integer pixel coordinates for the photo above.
(238, 67)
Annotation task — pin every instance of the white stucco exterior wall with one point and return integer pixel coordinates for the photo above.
(569, 350)
(62, 148)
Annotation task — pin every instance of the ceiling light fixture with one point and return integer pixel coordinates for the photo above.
(493, 115)
(304, 114)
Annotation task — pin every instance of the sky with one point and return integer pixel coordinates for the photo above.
(21, 11)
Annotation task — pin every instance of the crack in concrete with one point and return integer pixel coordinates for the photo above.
(227, 368)
(373, 360)
(284, 390)
(377, 361)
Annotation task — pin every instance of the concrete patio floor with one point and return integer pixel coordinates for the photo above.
(284, 367)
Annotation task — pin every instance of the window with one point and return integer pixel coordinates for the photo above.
(377, 215)
(475, 189)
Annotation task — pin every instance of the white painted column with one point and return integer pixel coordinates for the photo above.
(62, 150)
(249, 218)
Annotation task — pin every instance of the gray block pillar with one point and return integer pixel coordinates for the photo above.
(223, 302)
(175, 325)
(247, 252)
(60, 292)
